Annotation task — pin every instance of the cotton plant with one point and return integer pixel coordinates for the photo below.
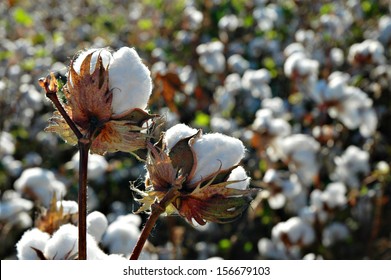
(106, 96)
(197, 176)
(14, 209)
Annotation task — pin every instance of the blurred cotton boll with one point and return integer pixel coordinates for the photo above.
(96, 225)
(296, 230)
(33, 238)
(333, 233)
(7, 144)
(351, 166)
(13, 205)
(257, 81)
(63, 245)
(211, 57)
(121, 236)
(41, 184)
(97, 165)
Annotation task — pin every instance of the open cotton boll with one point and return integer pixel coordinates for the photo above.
(130, 80)
(69, 206)
(96, 225)
(10, 208)
(239, 174)
(216, 151)
(7, 143)
(121, 237)
(64, 245)
(176, 133)
(41, 183)
(33, 238)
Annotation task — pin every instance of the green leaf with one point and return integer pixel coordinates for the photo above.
(145, 24)
(225, 244)
(22, 17)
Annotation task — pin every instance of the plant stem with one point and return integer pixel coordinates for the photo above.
(157, 209)
(49, 84)
(84, 147)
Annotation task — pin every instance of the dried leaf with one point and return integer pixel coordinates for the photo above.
(58, 125)
(135, 116)
(51, 219)
(117, 136)
(170, 84)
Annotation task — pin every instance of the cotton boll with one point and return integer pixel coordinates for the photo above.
(96, 225)
(7, 144)
(239, 174)
(238, 64)
(64, 245)
(41, 183)
(216, 151)
(69, 206)
(121, 237)
(33, 238)
(130, 81)
(176, 133)
(130, 219)
(333, 233)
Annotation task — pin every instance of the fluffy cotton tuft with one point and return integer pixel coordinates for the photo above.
(33, 238)
(121, 237)
(41, 183)
(130, 80)
(176, 133)
(96, 225)
(64, 245)
(216, 151)
(239, 174)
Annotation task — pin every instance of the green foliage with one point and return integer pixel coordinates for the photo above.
(22, 17)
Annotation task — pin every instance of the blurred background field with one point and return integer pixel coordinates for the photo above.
(262, 71)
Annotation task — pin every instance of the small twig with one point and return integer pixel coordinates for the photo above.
(157, 209)
(49, 84)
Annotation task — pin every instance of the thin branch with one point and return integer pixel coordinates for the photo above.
(157, 209)
(49, 84)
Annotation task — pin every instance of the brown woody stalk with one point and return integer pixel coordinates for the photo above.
(84, 144)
